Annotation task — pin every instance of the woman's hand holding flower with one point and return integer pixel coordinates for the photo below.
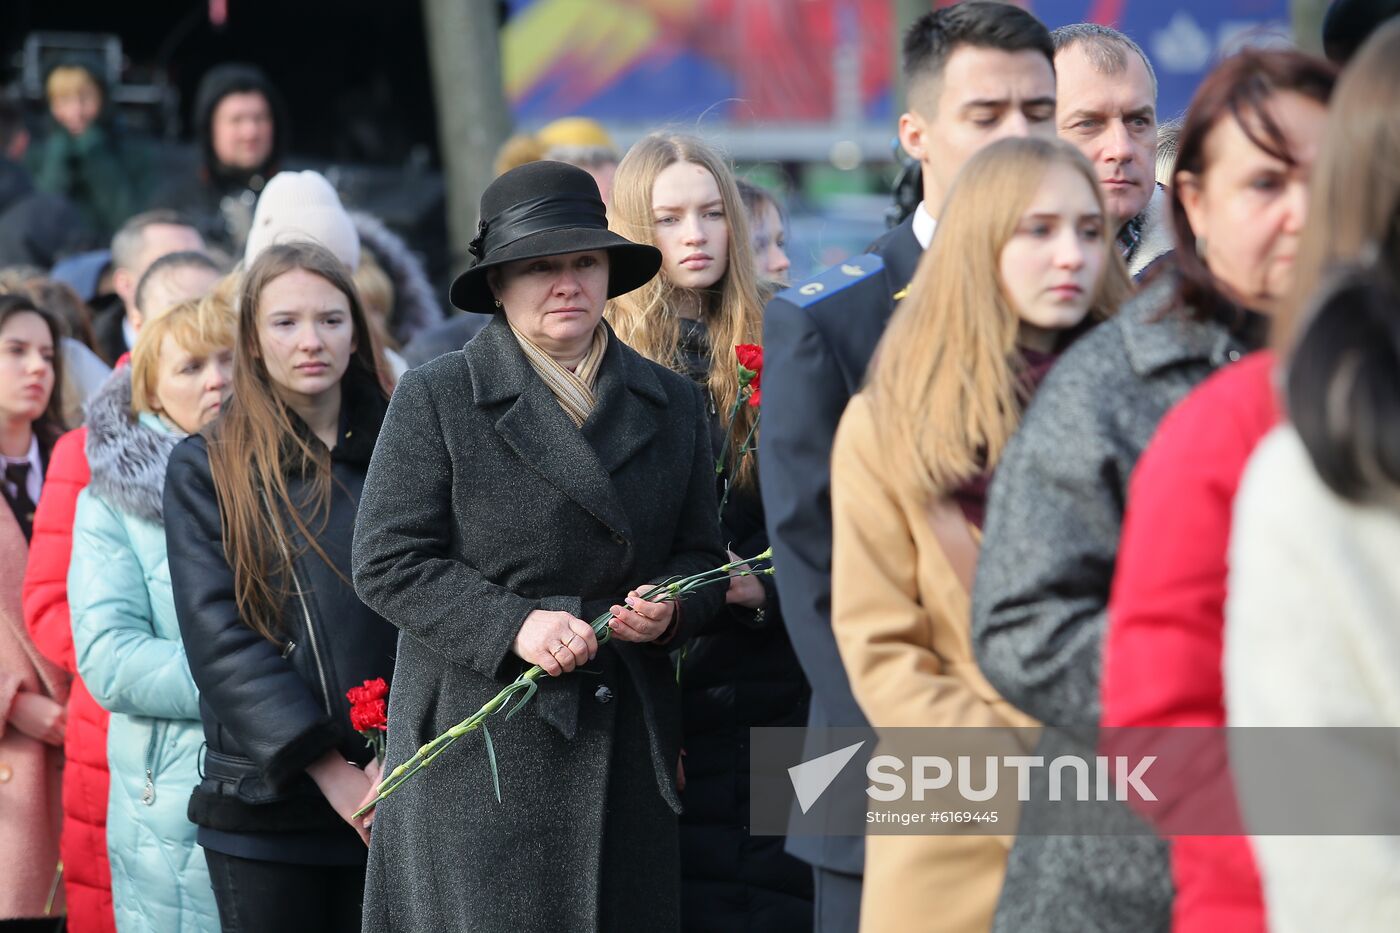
(556, 641)
(373, 771)
(744, 588)
(345, 787)
(641, 621)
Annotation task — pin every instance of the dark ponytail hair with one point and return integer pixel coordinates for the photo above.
(1343, 386)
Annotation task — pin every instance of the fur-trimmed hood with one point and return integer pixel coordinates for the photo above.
(415, 308)
(1156, 239)
(127, 457)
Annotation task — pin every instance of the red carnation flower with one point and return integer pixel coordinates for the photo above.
(368, 716)
(750, 370)
(750, 357)
(375, 689)
(369, 713)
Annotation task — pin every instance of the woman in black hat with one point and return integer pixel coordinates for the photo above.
(532, 481)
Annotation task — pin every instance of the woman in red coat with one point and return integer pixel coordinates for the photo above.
(1165, 643)
(87, 878)
(1166, 620)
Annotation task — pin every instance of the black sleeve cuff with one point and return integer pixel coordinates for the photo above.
(292, 759)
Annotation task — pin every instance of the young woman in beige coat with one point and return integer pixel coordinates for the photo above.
(1021, 263)
(32, 690)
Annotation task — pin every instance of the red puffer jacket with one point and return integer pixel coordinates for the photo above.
(1166, 617)
(87, 877)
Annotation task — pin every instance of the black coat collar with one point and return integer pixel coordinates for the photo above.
(362, 408)
(901, 252)
(578, 462)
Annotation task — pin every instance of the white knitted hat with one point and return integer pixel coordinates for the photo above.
(302, 206)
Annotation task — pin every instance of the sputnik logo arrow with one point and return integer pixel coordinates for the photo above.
(811, 778)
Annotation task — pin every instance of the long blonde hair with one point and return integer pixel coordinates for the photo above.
(647, 319)
(945, 385)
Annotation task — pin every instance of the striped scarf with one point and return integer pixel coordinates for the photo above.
(573, 389)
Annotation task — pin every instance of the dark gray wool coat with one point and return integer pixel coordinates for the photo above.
(1054, 515)
(483, 503)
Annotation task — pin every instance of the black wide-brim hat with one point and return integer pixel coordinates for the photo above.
(545, 209)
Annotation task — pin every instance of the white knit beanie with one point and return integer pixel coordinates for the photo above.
(302, 206)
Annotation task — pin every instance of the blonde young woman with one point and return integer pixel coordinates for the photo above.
(678, 194)
(1021, 262)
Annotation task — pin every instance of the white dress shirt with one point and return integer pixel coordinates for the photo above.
(924, 225)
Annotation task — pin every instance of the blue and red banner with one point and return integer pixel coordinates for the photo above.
(803, 61)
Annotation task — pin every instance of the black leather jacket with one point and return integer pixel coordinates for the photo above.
(270, 710)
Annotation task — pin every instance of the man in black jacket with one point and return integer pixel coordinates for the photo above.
(976, 73)
(241, 129)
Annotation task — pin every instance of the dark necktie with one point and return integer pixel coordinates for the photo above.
(17, 474)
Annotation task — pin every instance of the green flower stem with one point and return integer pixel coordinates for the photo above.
(728, 430)
(744, 448)
(673, 590)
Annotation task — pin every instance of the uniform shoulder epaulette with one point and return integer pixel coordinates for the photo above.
(834, 280)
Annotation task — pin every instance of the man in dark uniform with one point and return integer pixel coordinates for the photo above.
(976, 72)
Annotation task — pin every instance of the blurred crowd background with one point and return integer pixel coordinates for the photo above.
(802, 94)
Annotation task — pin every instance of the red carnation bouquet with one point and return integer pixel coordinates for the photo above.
(750, 359)
(750, 371)
(369, 713)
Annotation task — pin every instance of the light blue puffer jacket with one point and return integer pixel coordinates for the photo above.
(130, 655)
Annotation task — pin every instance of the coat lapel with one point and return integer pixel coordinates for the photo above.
(535, 427)
(14, 554)
(901, 254)
(1158, 335)
(631, 403)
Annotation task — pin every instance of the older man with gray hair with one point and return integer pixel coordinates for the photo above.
(1106, 106)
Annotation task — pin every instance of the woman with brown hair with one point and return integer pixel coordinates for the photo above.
(1020, 263)
(1166, 627)
(32, 690)
(680, 195)
(768, 224)
(1310, 619)
(260, 509)
(1041, 602)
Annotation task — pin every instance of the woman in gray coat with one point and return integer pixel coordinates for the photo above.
(532, 481)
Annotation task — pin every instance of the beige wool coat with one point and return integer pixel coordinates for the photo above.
(30, 771)
(901, 613)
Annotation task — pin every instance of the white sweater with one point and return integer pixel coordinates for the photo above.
(1313, 639)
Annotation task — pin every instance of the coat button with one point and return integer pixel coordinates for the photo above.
(1234, 356)
(6, 772)
(618, 538)
(603, 694)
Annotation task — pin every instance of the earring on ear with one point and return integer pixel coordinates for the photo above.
(1201, 247)
(498, 302)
